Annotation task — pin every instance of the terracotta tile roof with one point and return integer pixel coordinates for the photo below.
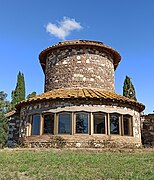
(78, 93)
(65, 44)
(9, 114)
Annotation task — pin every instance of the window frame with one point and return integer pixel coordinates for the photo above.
(89, 127)
(119, 124)
(57, 124)
(90, 116)
(105, 123)
(130, 125)
(53, 123)
(31, 119)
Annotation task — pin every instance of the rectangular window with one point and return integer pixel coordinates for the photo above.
(127, 125)
(48, 124)
(36, 124)
(64, 123)
(114, 124)
(82, 123)
(99, 123)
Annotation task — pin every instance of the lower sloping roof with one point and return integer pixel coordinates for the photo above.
(81, 93)
(9, 114)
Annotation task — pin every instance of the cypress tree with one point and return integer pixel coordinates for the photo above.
(128, 89)
(22, 96)
(19, 93)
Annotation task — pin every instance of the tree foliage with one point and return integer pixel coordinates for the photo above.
(128, 89)
(4, 108)
(33, 94)
(19, 93)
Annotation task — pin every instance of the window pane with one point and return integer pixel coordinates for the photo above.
(64, 123)
(49, 124)
(114, 123)
(99, 123)
(127, 124)
(82, 123)
(36, 125)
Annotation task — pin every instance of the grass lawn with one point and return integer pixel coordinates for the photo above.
(68, 164)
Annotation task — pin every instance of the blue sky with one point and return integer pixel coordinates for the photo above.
(127, 26)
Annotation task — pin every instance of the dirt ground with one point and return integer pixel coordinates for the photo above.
(95, 150)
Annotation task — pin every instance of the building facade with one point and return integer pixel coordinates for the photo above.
(79, 106)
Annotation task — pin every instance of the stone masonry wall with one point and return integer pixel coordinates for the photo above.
(147, 127)
(13, 131)
(79, 67)
(74, 106)
(81, 141)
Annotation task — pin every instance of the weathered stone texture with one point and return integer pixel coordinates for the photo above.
(79, 68)
(81, 141)
(13, 131)
(75, 106)
(147, 127)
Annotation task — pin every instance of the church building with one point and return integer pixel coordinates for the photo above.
(79, 106)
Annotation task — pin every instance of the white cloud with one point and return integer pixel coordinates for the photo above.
(63, 28)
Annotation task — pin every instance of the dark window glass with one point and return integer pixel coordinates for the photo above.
(114, 124)
(64, 123)
(49, 124)
(82, 123)
(99, 123)
(36, 125)
(127, 124)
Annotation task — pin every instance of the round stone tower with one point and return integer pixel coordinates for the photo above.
(79, 63)
(79, 105)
